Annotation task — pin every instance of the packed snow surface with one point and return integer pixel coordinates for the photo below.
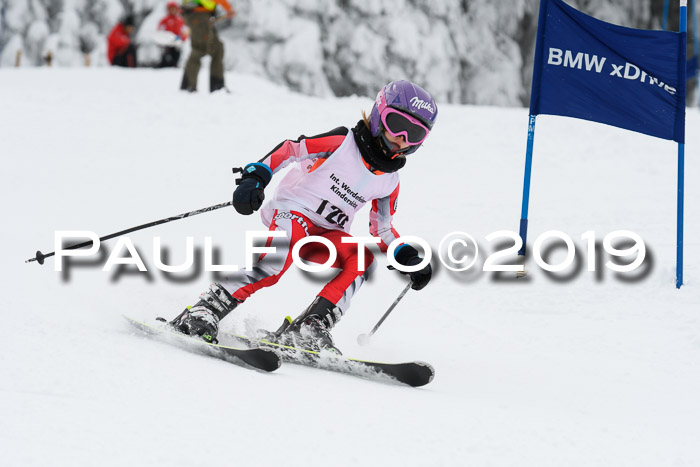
(575, 368)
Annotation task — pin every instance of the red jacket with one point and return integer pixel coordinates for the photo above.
(174, 24)
(117, 42)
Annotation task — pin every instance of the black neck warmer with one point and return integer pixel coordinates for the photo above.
(374, 153)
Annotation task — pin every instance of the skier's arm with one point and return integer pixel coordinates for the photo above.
(230, 12)
(249, 195)
(380, 219)
(303, 148)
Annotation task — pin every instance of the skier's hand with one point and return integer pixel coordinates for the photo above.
(249, 195)
(406, 255)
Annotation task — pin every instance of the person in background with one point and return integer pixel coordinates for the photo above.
(199, 15)
(120, 48)
(175, 24)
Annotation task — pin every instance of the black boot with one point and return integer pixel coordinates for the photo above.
(203, 318)
(186, 86)
(217, 83)
(313, 326)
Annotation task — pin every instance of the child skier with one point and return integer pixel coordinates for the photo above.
(334, 176)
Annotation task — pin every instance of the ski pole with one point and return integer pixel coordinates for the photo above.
(363, 339)
(40, 257)
(215, 19)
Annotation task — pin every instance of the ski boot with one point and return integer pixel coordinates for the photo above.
(203, 318)
(311, 330)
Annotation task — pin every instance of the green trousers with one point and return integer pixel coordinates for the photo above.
(205, 41)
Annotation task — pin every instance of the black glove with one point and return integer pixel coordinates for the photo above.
(406, 255)
(249, 195)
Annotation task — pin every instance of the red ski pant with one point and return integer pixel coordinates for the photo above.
(271, 266)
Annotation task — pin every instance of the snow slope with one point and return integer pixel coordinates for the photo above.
(592, 370)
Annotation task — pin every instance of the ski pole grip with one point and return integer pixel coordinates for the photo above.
(237, 170)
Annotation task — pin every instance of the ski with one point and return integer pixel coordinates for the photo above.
(259, 358)
(414, 374)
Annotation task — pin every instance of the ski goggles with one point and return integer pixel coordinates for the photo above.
(398, 123)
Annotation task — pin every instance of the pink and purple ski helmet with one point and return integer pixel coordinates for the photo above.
(406, 97)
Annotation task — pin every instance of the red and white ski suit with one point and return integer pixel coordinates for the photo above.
(327, 185)
(174, 24)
